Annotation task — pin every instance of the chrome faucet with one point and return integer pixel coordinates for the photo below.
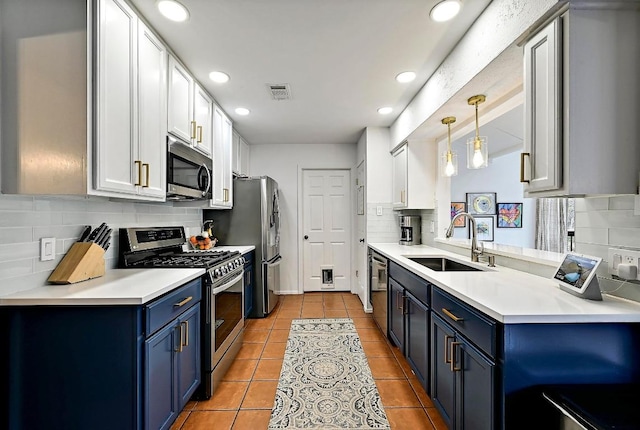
(476, 250)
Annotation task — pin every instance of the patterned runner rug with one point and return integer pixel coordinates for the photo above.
(325, 382)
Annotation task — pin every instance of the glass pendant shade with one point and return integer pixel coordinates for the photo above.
(477, 152)
(449, 164)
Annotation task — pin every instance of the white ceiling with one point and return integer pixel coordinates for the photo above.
(340, 58)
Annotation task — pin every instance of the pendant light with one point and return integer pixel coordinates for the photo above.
(477, 147)
(449, 158)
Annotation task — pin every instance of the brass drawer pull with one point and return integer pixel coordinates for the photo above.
(139, 181)
(186, 333)
(452, 316)
(179, 349)
(522, 155)
(146, 165)
(447, 338)
(453, 357)
(183, 302)
(199, 133)
(193, 129)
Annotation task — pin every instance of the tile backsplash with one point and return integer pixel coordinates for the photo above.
(383, 228)
(24, 220)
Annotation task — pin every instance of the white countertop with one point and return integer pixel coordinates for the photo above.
(116, 287)
(511, 296)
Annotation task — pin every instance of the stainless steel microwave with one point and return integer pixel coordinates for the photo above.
(188, 172)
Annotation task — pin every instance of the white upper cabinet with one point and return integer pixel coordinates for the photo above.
(414, 175)
(130, 106)
(203, 118)
(581, 104)
(240, 155)
(222, 159)
(181, 85)
(190, 109)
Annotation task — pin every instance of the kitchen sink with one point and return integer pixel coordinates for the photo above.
(442, 264)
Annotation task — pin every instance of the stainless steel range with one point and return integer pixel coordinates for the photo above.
(223, 294)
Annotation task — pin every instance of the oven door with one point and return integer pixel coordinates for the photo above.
(378, 289)
(227, 315)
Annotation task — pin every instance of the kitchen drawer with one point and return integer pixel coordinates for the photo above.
(161, 311)
(413, 283)
(479, 329)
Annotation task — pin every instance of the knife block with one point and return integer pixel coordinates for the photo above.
(85, 260)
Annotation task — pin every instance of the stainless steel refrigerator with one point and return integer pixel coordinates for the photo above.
(254, 220)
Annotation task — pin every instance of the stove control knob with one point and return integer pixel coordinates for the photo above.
(223, 270)
(217, 273)
(230, 266)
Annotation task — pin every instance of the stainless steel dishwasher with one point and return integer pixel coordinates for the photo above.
(378, 288)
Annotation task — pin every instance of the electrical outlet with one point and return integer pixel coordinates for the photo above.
(617, 256)
(47, 248)
(379, 210)
(432, 226)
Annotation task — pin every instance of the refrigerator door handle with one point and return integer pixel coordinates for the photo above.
(276, 262)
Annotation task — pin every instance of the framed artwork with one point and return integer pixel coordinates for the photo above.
(481, 203)
(509, 215)
(456, 208)
(484, 228)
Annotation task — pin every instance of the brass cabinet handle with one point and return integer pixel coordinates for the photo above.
(186, 333)
(225, 195)
(402, 196)
(146, 165)
(199, 133)
(522, 155)
(399, 301)
(193, 129)
(180, 337)
(183, 302)
(452, 316)
(447, 338)
(405, 307)
(139, 181)
(453, 357)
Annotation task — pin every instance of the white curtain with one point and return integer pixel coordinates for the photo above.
(552, 225)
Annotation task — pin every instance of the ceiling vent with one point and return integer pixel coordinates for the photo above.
(279, 91)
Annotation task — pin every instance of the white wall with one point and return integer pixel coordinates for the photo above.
(501, 177)
(284, 164)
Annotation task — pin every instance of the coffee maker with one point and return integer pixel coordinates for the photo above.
(410, 233)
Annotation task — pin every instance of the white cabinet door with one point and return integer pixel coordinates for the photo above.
(152, 112)
(222, 146)
(245, 157)
(117, 163)
(203, 117)
(235, 153)
(180, 118)
(541, 161)
(399, 185)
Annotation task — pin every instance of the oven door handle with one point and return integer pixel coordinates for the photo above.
(227, 285)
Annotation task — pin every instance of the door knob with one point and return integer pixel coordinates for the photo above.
(306, 237)
(362, 240)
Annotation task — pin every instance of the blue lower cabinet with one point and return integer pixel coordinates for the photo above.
(101, 367)
(417, 335)
(249, 283)
(161, 405)
(443, 380)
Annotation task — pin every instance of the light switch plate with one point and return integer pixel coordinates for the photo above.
(379, 210)
(47, 248)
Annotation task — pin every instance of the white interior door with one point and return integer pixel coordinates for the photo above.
(326, 230)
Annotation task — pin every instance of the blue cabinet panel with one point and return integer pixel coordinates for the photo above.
(417, 334)
(189, 369)
(160, 378)
(172, 304)
(396, 314)
(476, 394)
(443, 383)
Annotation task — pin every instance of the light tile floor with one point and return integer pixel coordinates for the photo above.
(245, 397)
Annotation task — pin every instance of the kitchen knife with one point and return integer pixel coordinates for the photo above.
(104, 240)
(101, 234)
(94, 234)
(85, 233)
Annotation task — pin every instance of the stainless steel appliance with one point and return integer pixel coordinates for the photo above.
(378, 289)
(222, 324)
(254, 220)
(410, 230)
(188, 172)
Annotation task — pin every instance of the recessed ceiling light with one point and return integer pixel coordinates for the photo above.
(219, 77)
(445, 10)
(385, 110)
(405, 77)
(173, 10)
(242, 111)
